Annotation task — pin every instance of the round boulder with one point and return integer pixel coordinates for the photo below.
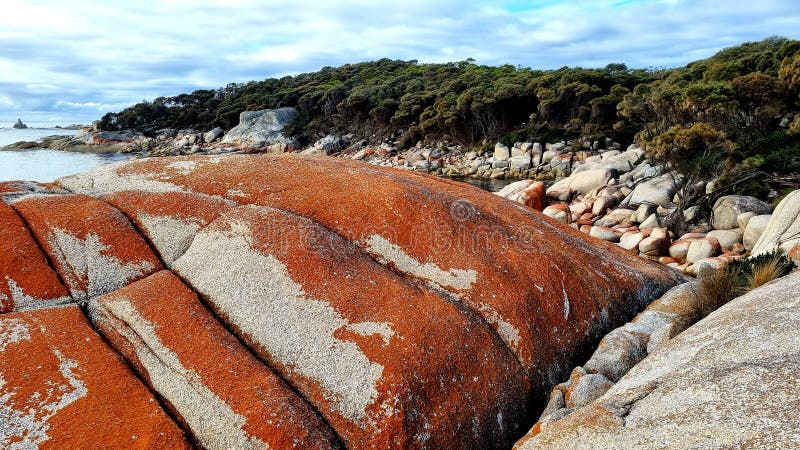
(728, 208)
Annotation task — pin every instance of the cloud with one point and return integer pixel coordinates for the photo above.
(61, 58)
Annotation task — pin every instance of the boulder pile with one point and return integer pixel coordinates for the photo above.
(621, 198)
(291, 301)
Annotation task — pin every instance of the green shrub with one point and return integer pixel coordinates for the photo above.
(515, 136)
(756, 270)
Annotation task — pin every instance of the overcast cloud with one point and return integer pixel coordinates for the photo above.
(74, 61)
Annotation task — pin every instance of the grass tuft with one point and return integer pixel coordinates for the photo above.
(765, 272)
(740, 277)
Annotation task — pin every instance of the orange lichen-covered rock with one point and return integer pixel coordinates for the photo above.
(169, 219)
(62, 387)
(545, 290)
(387, 363)
(26, 280)
(93, 246)
(15, 189)
(535, 195)
(223, 394)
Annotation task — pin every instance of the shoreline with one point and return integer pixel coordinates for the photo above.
(597, 188)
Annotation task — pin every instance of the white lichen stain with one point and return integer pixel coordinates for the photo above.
(237, 193)
(23, 302)
(212, 421)
(12, 330)
(566, 303)
(25, 426)
(507, 332)
(372, 328)
(257, 294)
(182, 167)
(105, 180)
(85, 259)
(171, 236)
(387, 252)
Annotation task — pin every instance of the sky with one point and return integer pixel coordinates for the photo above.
(73, 61)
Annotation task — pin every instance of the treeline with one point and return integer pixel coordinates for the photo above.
(742, 91)
(459, 102)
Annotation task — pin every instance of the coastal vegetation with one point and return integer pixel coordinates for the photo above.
(730, 117)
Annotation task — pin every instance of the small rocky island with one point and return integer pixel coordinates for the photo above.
(19, 125)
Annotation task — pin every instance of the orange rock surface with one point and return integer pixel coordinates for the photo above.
(541, 285)
(63, 388)
(387, 363)
(26, 279)
(92, 245)
(218, 389)
(372, 308)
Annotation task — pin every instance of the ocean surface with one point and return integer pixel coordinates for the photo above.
(43, 164)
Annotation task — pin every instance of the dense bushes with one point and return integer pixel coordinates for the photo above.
(742, 92)
(458, 102)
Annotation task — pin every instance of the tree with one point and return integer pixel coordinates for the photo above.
(790, 72)
(695, 153)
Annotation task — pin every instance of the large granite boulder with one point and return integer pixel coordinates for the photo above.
(782, 230)
(290, 300)
(580, 183)
(328, 145)
(729, 381)
(727, 209)
(658, 191)
(213, 135)
(262, 129)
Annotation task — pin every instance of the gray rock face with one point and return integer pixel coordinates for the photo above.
(755, 228)
(580, 183)
(783, 229)
(604, 233)
(728, 208)
(19, 125)
(260, 128)
(727, 238)
(520, 162)
(587, 389)
(702, 248)
(613, 160)
(331, 144)
(729, 381)
(617, 353)
(658, 191)
(213, 135)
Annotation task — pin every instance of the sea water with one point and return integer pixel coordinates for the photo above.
(43, 164)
